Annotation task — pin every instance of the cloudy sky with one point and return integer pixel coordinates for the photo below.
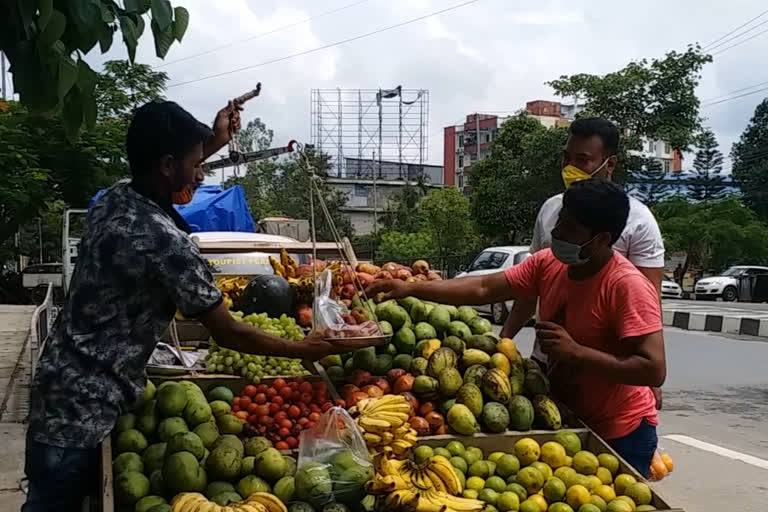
(488, 55)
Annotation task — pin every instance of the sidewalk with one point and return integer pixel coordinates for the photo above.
(14, 400)
(702, 316)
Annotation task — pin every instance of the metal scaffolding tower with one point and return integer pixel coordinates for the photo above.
(392, 123)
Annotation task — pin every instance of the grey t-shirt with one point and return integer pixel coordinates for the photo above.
(136, 265)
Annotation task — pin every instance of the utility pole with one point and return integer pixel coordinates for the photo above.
(2, 73)
(375, 197)
(40, 236)
(477, 136)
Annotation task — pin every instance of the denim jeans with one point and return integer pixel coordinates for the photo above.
(59, 478)
(637, 447)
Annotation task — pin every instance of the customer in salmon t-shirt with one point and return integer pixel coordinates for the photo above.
(602, 330)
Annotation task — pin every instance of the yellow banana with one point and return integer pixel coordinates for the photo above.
(184, 498)
(372, 439)
(428, 505)
(437, 482)
(421, 480)
(444, 470)
(271, 502)
(395, 419)
(373, 425)
(387, 437)
(461, 504)
(250, 507)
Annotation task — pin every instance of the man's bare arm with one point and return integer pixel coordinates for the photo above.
(522, 310)
(654, 275)
(470, 291)
(242, 337)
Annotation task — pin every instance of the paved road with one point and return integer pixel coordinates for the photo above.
(716, 398)
(716, 305)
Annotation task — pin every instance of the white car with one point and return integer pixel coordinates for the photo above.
(496, 259)
(671, 289)
(726, 285)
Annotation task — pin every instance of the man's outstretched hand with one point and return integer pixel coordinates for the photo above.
(226, 124)
(391, 288)
(314, 346)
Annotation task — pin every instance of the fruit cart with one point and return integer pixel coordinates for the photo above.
(489, 443)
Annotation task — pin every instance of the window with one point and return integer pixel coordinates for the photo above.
(461, 161)
(652, 146)
(488, 260)
(666, 166)
(473, 157)
(460, 179)
(361, 191)
(520, 257)
(667, 148)
(486, 137)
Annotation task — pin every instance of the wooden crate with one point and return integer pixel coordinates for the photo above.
(490, 443)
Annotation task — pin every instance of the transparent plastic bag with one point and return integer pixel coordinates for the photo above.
(661, 465)
(333, 461)
(332, 319)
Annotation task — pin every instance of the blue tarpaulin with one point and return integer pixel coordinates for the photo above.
(213, 209)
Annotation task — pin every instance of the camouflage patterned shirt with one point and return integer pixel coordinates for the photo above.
(136, 265)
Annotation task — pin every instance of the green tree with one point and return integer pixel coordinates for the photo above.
(255, 136)
(750, 162)
(708, 182)
(520, 173)
(647, 183)
(403, 211)
(405, 248)
(45, 42)
(123, 87)
(447, 219)
(655, 99)
(713, 235)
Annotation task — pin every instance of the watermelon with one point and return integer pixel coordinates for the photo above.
(268, 294)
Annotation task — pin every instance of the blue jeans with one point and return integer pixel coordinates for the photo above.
(637, 447)
(59, 478)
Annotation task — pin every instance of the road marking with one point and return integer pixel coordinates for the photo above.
(719, 450)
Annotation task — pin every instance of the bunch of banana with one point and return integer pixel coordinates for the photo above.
(231, 288)
(384, 422)
(436, 473)
(409, 500)
(284, 267)
(304, 287)
(256, 502)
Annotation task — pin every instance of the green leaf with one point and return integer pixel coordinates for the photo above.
(107, 16)
(90, 111)
(163, 39)
(73, 114)
(105, 34)
(130, 36)
(66, 76)
(180, 22)
(162, 14)
(53, 30)
(132, 5)
(139, 25)
(46, 9)
(86, 77)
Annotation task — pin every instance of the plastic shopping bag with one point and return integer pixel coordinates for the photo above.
(661, 466)
(333, 461)
(332, 319)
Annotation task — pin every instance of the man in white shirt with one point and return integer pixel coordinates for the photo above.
(591, 153)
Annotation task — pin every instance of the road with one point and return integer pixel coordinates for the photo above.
(713, 417)
(717, 305)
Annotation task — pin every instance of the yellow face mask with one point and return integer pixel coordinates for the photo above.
(184, 196)
(572, 174)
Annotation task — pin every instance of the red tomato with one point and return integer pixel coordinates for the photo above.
(265, 420)
(242, 415)
(236, 401)
(340, 403)
(315, 408)
(278, 400)
(260, 398)
(282, 445)
(286, 392)
(298, 379)
(278, 384)
(245, 401)
(261, 388)
(262, 410)
(249, 390)
(285, 423)
(252, 408)
(314, 416)
(321, 397)
(273, 408)
(285, 407)
(296, 430)
(320, 386)
(236, 408)
(253, 419)
(305, 387)
(271, 393)
(309, 425)
(295, 396)
(306, 397)
(326, 406)
(294, 386)
(281, 415)
(303, 421)
(294, 412)
(292, 442)
(284, 432)
(262, 430)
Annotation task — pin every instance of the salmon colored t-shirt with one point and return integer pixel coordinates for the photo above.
(601, 312)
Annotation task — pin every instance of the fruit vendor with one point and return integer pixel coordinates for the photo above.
(600, 321)
(591, 153)
(136, 266)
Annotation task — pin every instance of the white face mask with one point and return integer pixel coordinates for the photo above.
(569, 253)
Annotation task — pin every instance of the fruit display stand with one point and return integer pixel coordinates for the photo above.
(490, 443)
(105, 501)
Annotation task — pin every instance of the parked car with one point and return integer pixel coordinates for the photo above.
(671, 289)
(726, 285)
(496, 259)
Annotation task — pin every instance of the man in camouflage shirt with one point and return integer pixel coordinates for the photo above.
(136, 266)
